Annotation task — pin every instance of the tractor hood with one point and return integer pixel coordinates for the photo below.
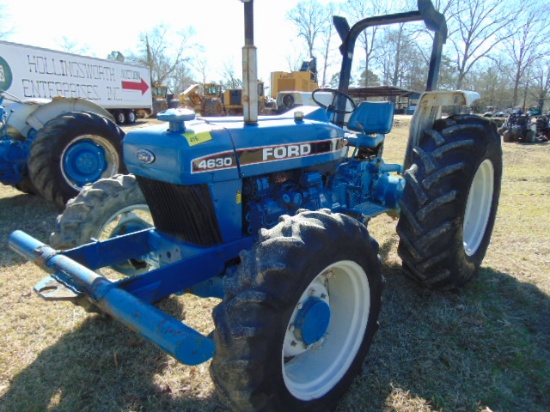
(225, 148)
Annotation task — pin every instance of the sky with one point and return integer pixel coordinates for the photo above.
(102, 26)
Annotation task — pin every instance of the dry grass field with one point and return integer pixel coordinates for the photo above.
(486, 348)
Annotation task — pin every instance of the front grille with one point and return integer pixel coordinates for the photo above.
(185, 212)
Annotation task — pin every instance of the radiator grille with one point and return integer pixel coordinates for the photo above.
(185, 212)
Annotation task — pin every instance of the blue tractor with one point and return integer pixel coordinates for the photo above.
(269, 214)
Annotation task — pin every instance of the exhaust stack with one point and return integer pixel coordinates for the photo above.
(250, 67)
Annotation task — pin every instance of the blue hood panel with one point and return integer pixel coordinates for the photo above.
(224, 148)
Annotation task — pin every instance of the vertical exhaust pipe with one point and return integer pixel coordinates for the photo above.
(250, 67)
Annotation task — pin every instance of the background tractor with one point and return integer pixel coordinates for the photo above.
(518, 128)
(205, 99)
(269, 214)
(54, 147)
(233, 101)
(292, 89)
(542, 126)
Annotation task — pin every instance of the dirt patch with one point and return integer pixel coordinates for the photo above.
(401, 120)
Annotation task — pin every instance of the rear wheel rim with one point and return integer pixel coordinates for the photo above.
(478, 207)
(87, 159)
(311, 370)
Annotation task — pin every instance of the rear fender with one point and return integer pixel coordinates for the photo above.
(61, 105)
(17, 114)
(429, 110)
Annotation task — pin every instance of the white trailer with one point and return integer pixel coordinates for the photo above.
(57, 118)
(29, 72)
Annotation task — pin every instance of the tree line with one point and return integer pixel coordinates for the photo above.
(499, 48)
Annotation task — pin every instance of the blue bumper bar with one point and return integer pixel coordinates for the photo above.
(174, 337)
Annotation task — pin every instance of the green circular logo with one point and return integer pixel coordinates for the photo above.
(6, 77)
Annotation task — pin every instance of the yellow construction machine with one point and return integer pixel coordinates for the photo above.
(233, 101)
(291, 89)
(205, 100)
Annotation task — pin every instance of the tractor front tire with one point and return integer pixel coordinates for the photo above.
(299, 315)
(72, 150)
(450, 201)
(106, 208)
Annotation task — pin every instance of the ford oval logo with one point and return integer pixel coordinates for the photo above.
(145, 157)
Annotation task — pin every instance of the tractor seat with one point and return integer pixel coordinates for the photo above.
(372, 120)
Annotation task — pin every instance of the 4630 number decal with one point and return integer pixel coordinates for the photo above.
(215, 162)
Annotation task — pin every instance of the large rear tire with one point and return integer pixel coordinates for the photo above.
(25, 185)
(450, 201)
(72, 150)
(213, 108)
(107, 208)
(299, 315)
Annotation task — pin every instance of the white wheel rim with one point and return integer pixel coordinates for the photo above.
(478, 207)
(313, 371)
(135, 216)
(137, 212)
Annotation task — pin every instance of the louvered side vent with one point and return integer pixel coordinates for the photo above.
(185, 212)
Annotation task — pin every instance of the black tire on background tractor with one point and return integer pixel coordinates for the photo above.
(507, 136)
(450, 201)
(25, 185)
(72, 150)
(159, 105)
(299, 315)
(213, 108)
(106, 208)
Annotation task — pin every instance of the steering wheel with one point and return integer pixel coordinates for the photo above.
(331, 106)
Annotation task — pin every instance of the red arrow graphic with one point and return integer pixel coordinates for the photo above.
(136, 86)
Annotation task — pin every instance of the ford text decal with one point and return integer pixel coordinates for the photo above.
(264, 154)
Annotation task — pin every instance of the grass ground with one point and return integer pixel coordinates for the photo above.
(486, 348)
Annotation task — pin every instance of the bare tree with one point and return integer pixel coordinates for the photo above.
(294, 59)
(399, 54)
(230, 79)
(312, 19)
(326, 50)
(165, 52)
(116, 56)
(5, 29)
(541, 80)
(359, 9)
(70, 46)
(478, 26)
(201, 67)
(490, 82)
(525, 43)
(314, 23)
